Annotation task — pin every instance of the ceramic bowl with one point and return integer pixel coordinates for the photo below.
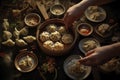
(32, 19)
(84, 29)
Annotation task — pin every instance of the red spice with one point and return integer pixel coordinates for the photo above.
(84, 31)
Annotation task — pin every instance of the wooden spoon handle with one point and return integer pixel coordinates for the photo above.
(42, 9)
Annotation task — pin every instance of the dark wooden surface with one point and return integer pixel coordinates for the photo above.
(9, 72)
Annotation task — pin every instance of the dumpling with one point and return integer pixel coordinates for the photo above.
(55, 36)
(67, 38)
(26, 62)
(96, 16)
(5, 24)
(89, 45)
(9, 43)
(111, 65)
(93, 9)
(62, 30)
(7, 35)
(48, 44)
(44, 36)
(58, 46)
(51, 28)
(75, 68)
(20, 42)
(24, 31)
(16, 33)
(29, 39)
(103, 28)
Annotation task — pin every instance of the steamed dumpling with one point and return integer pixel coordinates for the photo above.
(9, 43)
(55, 36)
(44, 36)
(51, 28)
(48, 44)
(20, 42)
(29, 39)
(61, 29)
(7, 35)
(58, 46)
(67, 38)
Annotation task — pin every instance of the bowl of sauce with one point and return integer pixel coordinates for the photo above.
(84, 29)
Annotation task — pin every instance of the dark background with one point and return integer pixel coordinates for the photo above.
(9, 72)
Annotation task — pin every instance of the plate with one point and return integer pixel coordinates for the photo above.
(87, 44)
(68, 68)
(26, 62)
(95, 14)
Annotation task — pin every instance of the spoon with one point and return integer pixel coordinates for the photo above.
(113, 26)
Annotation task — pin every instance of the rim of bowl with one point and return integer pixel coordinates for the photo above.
(68, 59)
(103, 11)
(63, 7)
(90, 26)
(34, 14)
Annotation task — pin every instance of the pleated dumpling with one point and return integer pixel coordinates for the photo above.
(6, 24)
(24, 31)
(44, 36)
(29, 39)
(55, 36)
(48, 44)
(67, 38)
(9, 43)
(51, 28)
(58, 46)
(61, 30)
(16, 33)
(20, 42)
(7, 35)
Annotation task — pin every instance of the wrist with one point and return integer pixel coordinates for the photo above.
(116, 49)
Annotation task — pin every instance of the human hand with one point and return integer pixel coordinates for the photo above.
(98, 56)
(72, 14)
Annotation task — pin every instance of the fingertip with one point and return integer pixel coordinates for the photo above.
(90, 52)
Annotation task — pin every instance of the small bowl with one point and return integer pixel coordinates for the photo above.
(68, 68)
(103, 30)
(84, 29)
(26, 61)
(57, 9)
(32, 19)
(90, 44)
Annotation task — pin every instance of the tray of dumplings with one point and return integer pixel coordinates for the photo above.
(54, 39)
(15, 36)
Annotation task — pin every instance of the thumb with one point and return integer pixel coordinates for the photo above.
(83, 60)
(88, 61)
(90, 52)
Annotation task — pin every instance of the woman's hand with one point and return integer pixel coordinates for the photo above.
(72, 14)
(98, 56)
